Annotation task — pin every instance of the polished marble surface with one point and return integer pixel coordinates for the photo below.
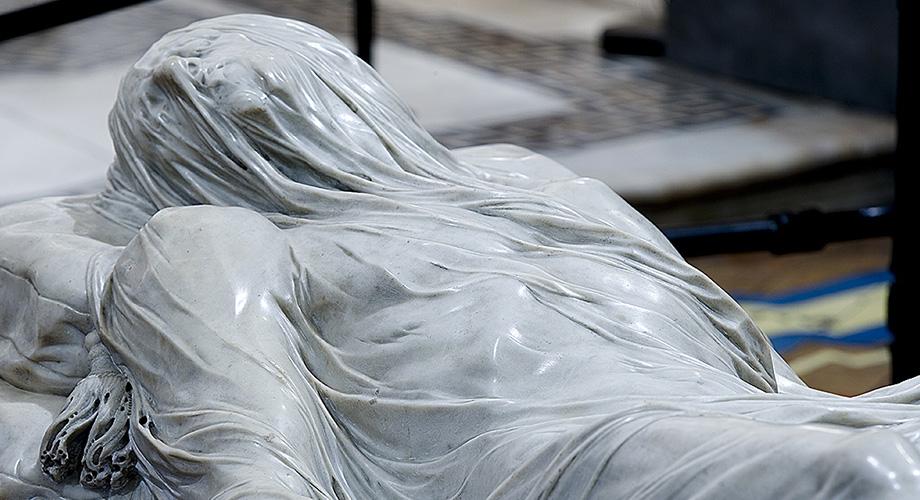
(657, 165)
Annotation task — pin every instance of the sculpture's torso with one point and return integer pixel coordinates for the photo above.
(484, 303)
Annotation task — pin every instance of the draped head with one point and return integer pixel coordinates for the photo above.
(261, 112)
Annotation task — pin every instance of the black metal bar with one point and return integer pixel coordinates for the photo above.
(364, 29)
(54, 13)
(905, 348)
(806, 231)
(632, 42)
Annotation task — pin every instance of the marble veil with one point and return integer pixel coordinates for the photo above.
(305, 295)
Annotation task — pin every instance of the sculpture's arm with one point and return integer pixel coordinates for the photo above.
(45, 249)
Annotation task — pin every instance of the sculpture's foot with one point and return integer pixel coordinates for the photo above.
(91, 433)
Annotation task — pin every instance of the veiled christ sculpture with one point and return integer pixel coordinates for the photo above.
(288, 289)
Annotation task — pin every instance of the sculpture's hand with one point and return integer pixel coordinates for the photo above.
(91, 433)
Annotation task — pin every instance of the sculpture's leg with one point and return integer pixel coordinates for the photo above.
(196, 317)
(91, 432)
(666, 455)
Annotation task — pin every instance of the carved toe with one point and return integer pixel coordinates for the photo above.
(65, 439)
(108, 459)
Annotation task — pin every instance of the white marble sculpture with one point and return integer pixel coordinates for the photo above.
(289, 289)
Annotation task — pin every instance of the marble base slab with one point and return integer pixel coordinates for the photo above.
(657, 166)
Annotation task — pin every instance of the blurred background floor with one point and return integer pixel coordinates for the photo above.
(824, 311)
(684, 146)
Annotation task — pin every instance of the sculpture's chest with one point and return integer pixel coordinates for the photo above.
(363, 268)
(475, 311)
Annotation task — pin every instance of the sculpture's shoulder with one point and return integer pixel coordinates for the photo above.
(513, 165)
(519, 167)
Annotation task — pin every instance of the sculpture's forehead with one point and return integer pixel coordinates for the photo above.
(215, 62)
(208, 45)
(240, 37)
(238, 54)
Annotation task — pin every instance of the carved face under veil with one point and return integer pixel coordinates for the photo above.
(197, 120)
(279, 117)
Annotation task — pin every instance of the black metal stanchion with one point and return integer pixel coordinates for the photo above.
(364, 29)
(785, 233)
(905, 350)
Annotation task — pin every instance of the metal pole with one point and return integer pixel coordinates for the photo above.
(54, 13)
(785, 233)
(905, 349)
(364, 29)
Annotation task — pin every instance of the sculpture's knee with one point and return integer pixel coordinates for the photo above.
(204, 228)
(192, 273)
(201, 253)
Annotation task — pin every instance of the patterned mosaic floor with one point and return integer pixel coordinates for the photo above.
(610, 98)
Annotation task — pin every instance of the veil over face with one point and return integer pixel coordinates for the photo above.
(198, 120)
